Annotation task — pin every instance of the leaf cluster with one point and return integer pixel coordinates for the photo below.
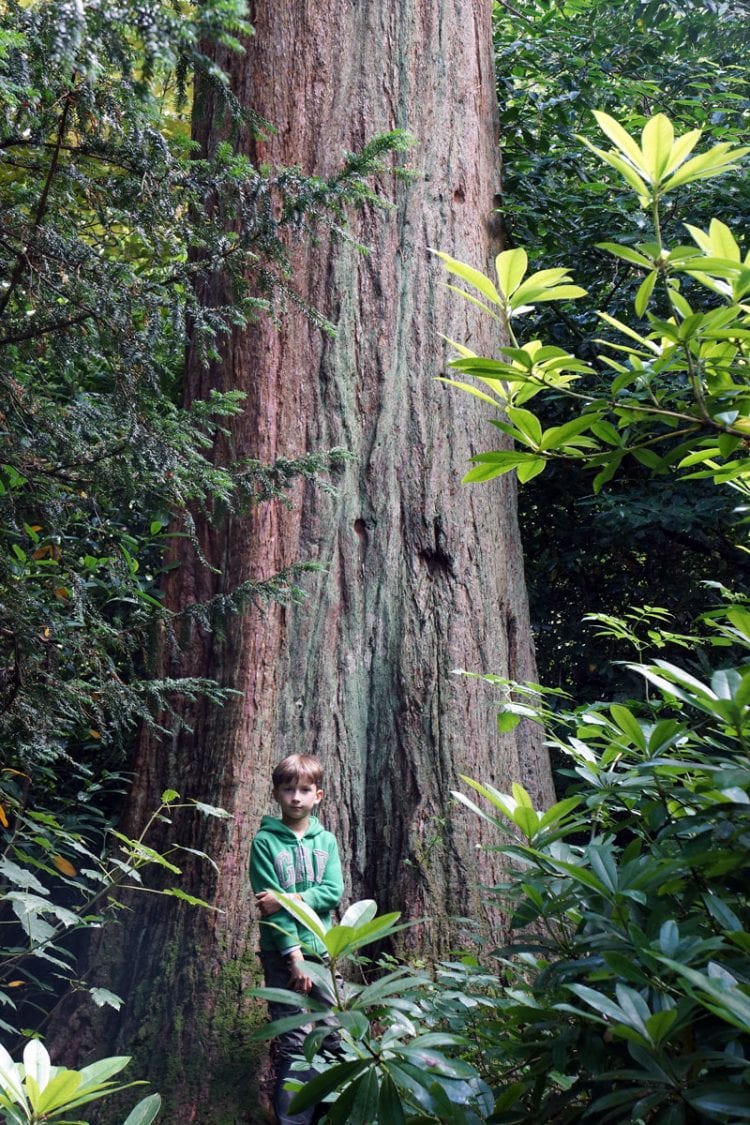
(679, 397)
(64, 872)
(397, 1061)
(627, 985)
(556, 63)
(34, 1091)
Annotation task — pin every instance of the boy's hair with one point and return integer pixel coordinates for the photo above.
(296, 766)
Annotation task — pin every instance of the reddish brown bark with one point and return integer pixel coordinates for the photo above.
(421, 574)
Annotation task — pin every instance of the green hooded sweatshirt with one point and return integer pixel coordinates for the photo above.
(310, 867)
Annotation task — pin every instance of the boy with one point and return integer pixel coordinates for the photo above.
(295, 855)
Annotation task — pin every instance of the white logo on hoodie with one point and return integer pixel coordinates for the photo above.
(304, 866)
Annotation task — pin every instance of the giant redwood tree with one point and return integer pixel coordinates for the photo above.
(418, 575)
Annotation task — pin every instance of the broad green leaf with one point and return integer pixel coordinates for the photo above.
(729, 1004)
(470, 275)
(607, 471)
(521, 796)
(740, 618)
(657, 140)
(501, 801)
(417, 1083)
(211, 810)
(559, 811)
(507, 721)
(27, 906)
(390, 1108)
(20, 876)
(628, 723)
(604, 866)
(724, 1099)
(645, 289)
(628, 331)
(719, 910)
(60, 1091)
(177, 892)
(531, 468)
(633, 1005)
(554, 293)
(365, 1105)
(323, 1084)
(381, 927)
(681, 149)
(341, 1111)
(37, 1065)
(669, 937)
(557, 437)
(102, 996)
(627, 254)
(97, 1092)
(339, 939)
(527, 820)
(725, 683)
(659, 1024)
(493, 402)
(581, 875)
(286, 1023)
(527, 423)
(355, 1022)
(626, 171)
(102, 1070)
(145, 1112)
(601, 1003)
(539, 282)
(683, 677)
(490, 369)
(622, 139)
(436, 1061)
(360, 912)
(723, 243)
(716, 161)
(493, 465)
(511, 266)
(464, 800)
(304, 914)
(473, 301)
(465, 352)
(393, 984)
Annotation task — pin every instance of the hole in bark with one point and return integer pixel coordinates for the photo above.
(437, 562)
(459, 195)
(437, 558)
(361, 528)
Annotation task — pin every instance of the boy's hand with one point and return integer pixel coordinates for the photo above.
(267, 903)
(299, 979)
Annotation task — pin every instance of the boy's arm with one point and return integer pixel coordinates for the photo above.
(263, 878)
(327, 894)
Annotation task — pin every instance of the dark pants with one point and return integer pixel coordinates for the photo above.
(287, 1047)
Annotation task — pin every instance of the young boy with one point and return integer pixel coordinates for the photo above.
(295, 855)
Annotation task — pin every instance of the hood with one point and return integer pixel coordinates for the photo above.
(276, 826)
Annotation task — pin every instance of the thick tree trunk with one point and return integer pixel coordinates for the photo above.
(420, 575)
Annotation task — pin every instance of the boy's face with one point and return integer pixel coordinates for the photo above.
(297, 799)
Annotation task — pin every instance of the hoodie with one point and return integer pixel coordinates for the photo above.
(309, 867)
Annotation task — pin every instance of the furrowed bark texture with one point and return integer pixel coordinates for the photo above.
(421, 575)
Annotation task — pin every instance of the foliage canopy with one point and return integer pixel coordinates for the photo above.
(556, 63)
